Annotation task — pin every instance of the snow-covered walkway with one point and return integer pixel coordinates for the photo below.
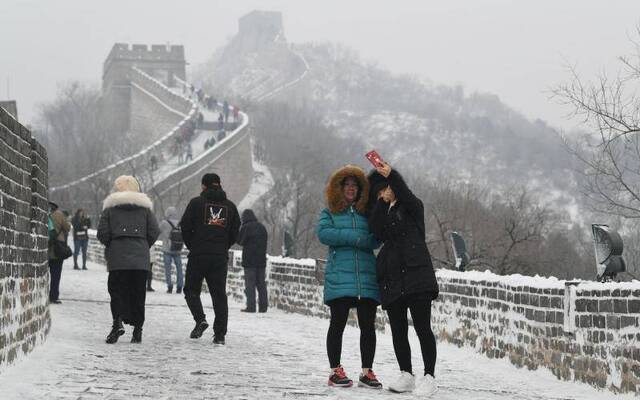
(267, 356)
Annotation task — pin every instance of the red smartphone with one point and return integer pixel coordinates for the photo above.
(374, 158)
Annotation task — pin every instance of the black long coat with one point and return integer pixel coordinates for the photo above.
(403, 265)
(253, 239)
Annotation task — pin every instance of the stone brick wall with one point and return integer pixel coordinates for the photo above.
(153, 112)
(24, 274)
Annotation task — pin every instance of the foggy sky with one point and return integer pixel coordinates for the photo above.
(516, 49)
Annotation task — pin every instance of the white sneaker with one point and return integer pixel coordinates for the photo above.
(426, 386)
(405, 383)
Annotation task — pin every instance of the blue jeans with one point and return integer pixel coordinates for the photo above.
(79, 244)
(176, 258)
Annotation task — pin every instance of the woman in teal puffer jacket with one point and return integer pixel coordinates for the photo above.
(350, 275)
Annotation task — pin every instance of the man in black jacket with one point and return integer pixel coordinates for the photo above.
(210, 227)
(253, 239)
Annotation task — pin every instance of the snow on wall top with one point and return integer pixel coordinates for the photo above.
(537, 282)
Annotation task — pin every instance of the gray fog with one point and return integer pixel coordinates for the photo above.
(515, 49)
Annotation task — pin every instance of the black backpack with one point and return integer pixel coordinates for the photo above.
(175, 238)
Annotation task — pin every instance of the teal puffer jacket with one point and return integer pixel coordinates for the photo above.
(351, 264)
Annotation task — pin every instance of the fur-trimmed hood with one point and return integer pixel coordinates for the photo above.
(127, 199)
(333, 193)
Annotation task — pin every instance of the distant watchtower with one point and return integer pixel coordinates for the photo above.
(162, 62)
(258, 28)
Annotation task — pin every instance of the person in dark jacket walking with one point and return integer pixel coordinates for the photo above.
(81, 224)
(59, 230)
(210, 225)
(405, 272)
(253, 239)
(350, 275)
(127, 229)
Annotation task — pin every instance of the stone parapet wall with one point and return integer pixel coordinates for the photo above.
(24, 273)
(581, 331)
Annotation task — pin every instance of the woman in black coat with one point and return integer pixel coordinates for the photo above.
(404, 272)
(127, 229)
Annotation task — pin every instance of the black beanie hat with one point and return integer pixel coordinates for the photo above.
(377, 182)
(210, 180)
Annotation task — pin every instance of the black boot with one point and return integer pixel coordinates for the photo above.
(137, 335)
(117, 330)
(218, 339)
(199, 329)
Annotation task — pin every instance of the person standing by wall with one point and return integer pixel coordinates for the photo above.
(225, 110)
(210, 225)
(171, 237)
(81, 225)
(59, 228)
(253, 239)
(405, 273)
(127, 229)
(350, 276)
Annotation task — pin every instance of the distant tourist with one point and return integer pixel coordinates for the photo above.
(188, 151)
(211, 103)
(236, 114)
(253, 239)
(210, 143)
(210, 225)
(81, 224)
(200, 120)
(59, 228)
(350, 277)
(172, 244)
(408, 282)
(220, 122)
(127, 229)
(225, 110)
(153, 162)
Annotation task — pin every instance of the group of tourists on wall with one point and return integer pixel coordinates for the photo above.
(363, 213)
(209, 226)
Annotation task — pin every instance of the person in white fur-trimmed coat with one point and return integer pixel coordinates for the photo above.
(127, 228)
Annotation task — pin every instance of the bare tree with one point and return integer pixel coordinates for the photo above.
(609, 155)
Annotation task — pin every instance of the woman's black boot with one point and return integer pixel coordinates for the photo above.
(117, 330)
(137, 335)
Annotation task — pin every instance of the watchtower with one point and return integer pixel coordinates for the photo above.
(258, 28)
(162, 62)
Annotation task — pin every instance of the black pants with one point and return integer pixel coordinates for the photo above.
(128, 292)
(55, 271)
(254, 278)
(420, 307)
(366, 319)
(213, 269)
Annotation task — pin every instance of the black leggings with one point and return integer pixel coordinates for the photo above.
(421, 315)
(366, 319)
